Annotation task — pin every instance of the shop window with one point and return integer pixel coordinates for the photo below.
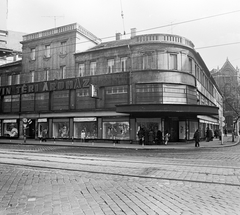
(10, 128)
(85, 130)
(61, 128)
(116, 130)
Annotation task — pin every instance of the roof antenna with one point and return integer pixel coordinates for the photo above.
(124, 33)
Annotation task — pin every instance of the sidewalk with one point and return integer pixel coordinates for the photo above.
(216, 143)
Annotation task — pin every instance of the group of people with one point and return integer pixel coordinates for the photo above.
(209, 135)
(152, 137)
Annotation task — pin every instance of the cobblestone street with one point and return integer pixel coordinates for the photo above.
(176, 182)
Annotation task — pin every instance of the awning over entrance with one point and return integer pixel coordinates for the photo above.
(166, 109)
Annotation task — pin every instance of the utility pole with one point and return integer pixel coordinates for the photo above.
(55, 19)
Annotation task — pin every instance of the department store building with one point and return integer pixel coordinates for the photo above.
(73, 85)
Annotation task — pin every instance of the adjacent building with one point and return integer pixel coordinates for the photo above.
(74, 86)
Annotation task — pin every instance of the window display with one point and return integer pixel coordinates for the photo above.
(10, 129)
(116, 130)
(85, 130)
(61, 129)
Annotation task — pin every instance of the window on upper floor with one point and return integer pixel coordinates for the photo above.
(81, 68)
(0, 81)
(110, 65)
(123, 62)
(47, 74)
(63, 72)
(47, 51)
(173, 62)
(16, 79)
(63, 47)
(190, 67)
(9, 80)
(32, 76)
(33, 54)
(93, 68)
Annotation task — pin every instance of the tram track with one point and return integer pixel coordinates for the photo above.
(128, 168)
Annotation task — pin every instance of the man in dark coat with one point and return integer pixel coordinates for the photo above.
(196, 138)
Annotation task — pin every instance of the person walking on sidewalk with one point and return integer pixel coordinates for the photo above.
(166, 138)
(196, 138)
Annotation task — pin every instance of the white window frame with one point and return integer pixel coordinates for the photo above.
(110, 65)
(173, 62)
(63, 47)
(81, 68)
(33, 54)
(93, 66)
(63, 72)
(123, 63)
(9, 79)
(47, 51)
(17, 79)
(47, 74)
(32, 76)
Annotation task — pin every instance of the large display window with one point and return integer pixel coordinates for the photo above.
(85, 128)
(116, 130)
(42, 128)
(10, 128)
(60, 128)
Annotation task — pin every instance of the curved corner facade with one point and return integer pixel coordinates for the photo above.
(110, 91)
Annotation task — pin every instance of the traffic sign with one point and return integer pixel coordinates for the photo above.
(24, 120)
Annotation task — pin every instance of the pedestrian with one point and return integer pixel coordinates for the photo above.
(141, 135)
(166, 138)
(196, 138)
(225, 132)
(151, 136)
(44, 135)
(159, 137)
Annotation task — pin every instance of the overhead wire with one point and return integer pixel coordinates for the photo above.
(162, 26)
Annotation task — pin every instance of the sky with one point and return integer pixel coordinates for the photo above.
(212, 25)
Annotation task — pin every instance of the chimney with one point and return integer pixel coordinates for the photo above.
(133, 32)
(118, 36)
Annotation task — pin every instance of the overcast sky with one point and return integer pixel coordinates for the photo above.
(103, 18)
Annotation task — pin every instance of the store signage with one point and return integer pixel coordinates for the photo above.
(67, 84)
(42, 120)
(9, 121)
(87, 119)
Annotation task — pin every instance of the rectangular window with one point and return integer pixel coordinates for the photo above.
(60, 100)
(16, 79)
(173, 62)
(110, 66)
(123, 62)
(9, 80)
(42, 101)
(47, 74)
(93, 68)
(63, 72)
(81, 68)
(63, 47)
(32, 76)
(33, 54)
(190, 69)
(47, 51)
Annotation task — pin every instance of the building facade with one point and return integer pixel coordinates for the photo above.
(228, 80)
(107, 91)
